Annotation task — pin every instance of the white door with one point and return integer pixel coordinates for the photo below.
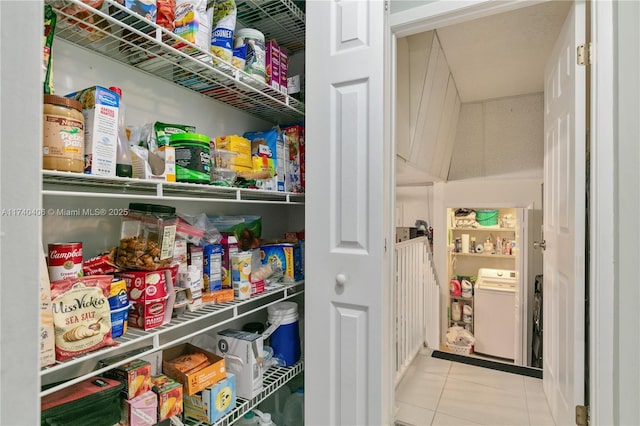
(564, 212)
(347, 374)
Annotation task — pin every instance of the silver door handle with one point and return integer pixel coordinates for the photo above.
(538, 244)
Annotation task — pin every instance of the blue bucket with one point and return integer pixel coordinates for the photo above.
(285, 340)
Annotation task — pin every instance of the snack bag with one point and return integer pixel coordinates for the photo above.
(224, 19)
(81, 315)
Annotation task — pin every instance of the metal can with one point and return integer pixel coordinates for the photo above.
(65, 261)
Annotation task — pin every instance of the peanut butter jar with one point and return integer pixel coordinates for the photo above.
(63, 134)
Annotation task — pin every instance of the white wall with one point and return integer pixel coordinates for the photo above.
(412, 203)
(500, 138)
(626, 373)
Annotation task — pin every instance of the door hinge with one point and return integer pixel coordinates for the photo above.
(582, 415)
(385, 245)
(386, 6)
(584, 54)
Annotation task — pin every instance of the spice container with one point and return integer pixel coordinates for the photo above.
(147, 237)
(63, 134)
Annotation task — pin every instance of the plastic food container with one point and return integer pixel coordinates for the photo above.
(147, 237)
(223, 177)
(223, 159)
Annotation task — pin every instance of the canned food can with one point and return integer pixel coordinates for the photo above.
(65, 261)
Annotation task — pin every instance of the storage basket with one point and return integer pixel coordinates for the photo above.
(460, 349)
(487, 217)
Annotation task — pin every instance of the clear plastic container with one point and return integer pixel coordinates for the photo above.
(293, 414)
(147, 237)
(223, 177)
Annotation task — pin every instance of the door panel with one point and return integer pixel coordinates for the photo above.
(564, 213)
(345, 215)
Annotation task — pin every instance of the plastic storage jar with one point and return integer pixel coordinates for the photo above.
(193, 157)
(63, 134)
(256, 55)
(147, 237)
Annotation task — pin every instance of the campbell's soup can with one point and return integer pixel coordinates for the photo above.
(65, 261)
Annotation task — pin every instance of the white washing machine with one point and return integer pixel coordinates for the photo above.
(494, 310)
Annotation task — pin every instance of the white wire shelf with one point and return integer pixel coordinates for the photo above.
(117, 33)
(280, 20)
(273, 379)
(66, 373)
(71, 184)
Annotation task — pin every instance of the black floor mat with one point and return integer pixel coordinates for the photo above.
(509, 368)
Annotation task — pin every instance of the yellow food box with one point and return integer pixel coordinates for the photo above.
(237, 144)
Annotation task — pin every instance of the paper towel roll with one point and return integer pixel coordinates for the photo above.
(465, 243)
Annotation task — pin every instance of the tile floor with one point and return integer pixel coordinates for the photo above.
(440, 392)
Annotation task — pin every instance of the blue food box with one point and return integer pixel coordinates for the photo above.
(214, 402)
(212, 267)
(286, 256)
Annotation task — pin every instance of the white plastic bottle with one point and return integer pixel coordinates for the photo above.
(123, 157)
(294, 409)
(264, 419)
(275, 404)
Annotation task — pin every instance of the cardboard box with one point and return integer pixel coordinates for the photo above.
(199, 380)
(293, 180)
(214, 402)
(100, 110)
(272, 59)
(212, 277)
(147, 285)
(229, 246)
(136, 376)
(141, 410)
(47, 332)
(284, 70)
(152, 294)
(237, 144)
(150, 314)
(159, 166)
(287, 256)
(219, 296)
(241, 350)
(169, 394)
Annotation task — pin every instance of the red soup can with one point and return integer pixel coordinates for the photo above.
(65, 261)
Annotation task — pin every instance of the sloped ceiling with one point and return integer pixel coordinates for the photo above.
(505, 54)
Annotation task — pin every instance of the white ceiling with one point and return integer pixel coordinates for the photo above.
(505, 54)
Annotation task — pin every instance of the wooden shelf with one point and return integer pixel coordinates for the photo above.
(482, 255)
(485, 229)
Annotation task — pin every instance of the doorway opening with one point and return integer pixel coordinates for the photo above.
(469, 123)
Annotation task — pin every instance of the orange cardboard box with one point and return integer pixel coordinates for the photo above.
(218, 296)
(198, 380)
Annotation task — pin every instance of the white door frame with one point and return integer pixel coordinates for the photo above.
(441, 13)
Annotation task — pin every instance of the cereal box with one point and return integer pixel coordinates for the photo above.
(100, 110)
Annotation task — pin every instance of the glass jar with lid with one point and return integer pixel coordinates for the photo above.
(147, 237)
